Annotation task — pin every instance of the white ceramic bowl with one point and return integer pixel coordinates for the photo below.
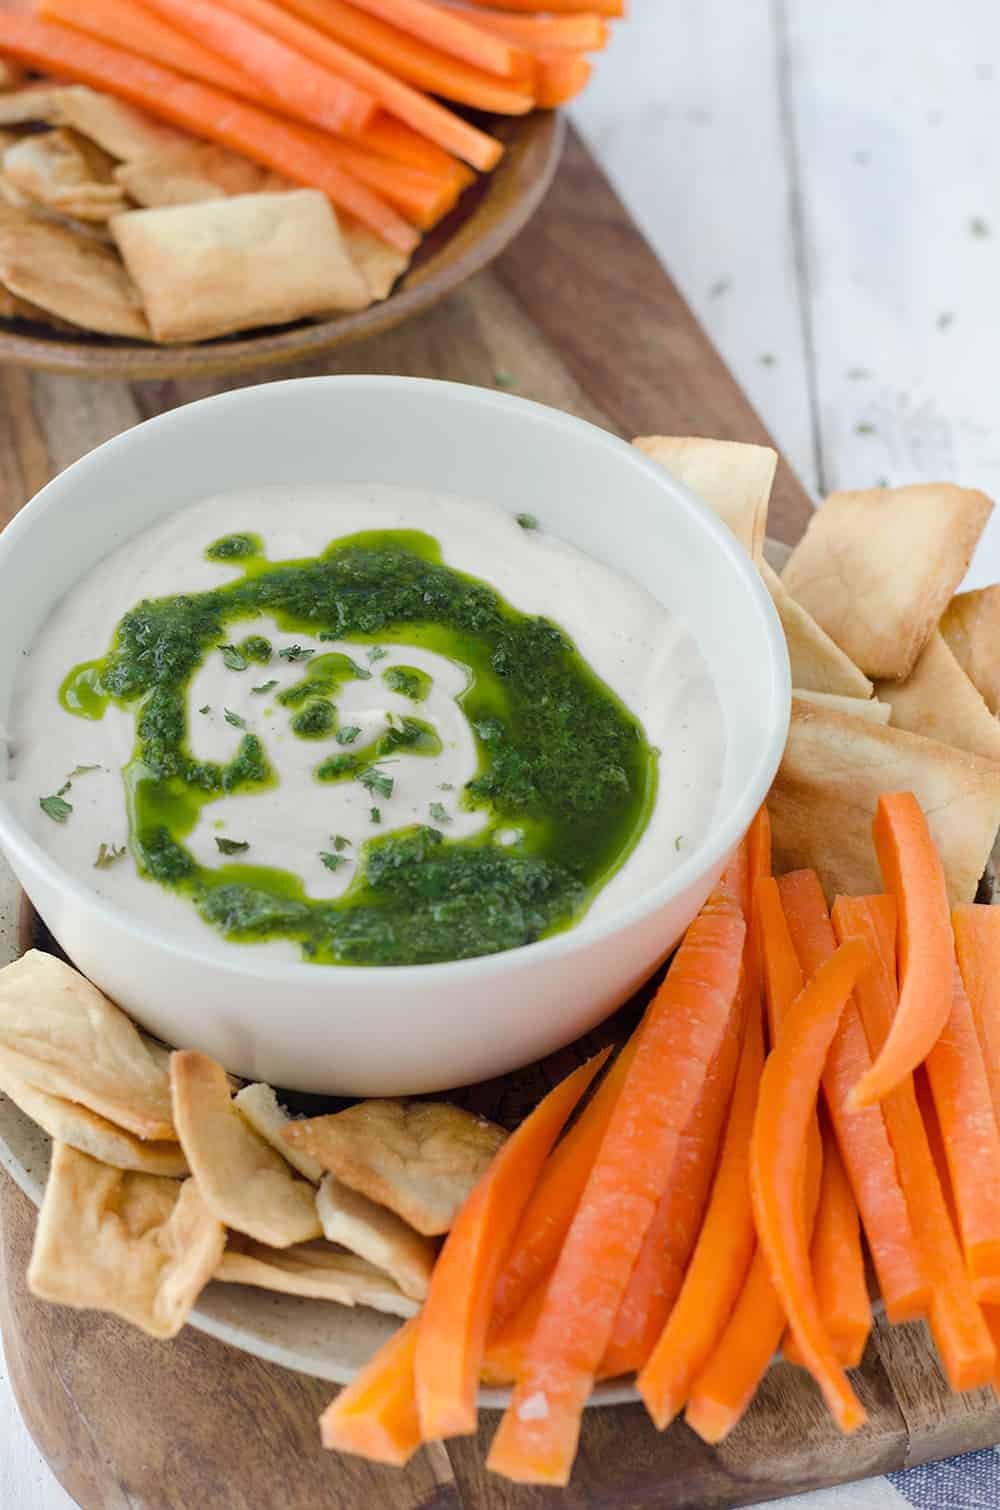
(384, 1031)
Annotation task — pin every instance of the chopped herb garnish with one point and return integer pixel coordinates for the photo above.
(979, 227)
(256, 648)
(446, 786)
(81, 770)
(234, 658)
(205, 709)
(505, 380)
(865, 428)
(527, 521)
(340, 843)
(55, 807)
(64, 788)
(332, 862)
(234, 719)
(439, 812)
(768, 359)
(678, 841)
(232, 846)
(376, 653)
(720, 286)
(295, 653)
(264, 687)
(107, 854)
(375, 814)
(348, 734)
(376, 781)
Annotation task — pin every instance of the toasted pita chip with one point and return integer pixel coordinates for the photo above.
(62, 171)
(231, 264)
(246, 1183)
(33, 212)
(354, 1222)
(259, 1105)
(193, 171)
(13, 308)
(85, 1131)
(136, 1245)
(859, 707)
(59, 1034)
(824, 797)
(419, 1158)
(121, 129)
(817, 663)
(939, 701)
(315, 1270)
(34, 103)
(71, 275)
(971, 626)
(877, 569)
(379, 263)
(732, 478)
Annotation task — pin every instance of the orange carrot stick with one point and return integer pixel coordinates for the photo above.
(912, 871)
(126, 24)
(207, 112)
(507, 1345)
(375, 1416)
(862, 1135)
(786, 1106)
(392, 138)
(678, 1039)
(456, 1313)
(450, 33)
(586, 32)
(977, 943)
(559, 7)
(838, 1264)
(782, 971)
(669, 1242)
(955, 1319)
(722, 1254)
(332, 40)
(961, 1093)
(552, 1203)
(312, 93)
(560, 77)
(424, 198)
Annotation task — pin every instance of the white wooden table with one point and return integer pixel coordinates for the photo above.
(823, 182)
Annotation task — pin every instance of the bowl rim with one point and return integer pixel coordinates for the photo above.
(724, 834)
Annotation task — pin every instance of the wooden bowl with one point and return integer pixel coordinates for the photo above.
(488, 216)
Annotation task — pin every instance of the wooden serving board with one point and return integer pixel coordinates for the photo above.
(580, 315)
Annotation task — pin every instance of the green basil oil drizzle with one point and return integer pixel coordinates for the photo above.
(561, 760)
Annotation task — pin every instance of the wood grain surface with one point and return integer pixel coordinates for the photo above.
(580, 315)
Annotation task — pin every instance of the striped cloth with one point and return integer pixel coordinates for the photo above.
(971, 1482)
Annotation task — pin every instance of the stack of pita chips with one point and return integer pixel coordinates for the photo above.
(896, 681)
(161, 1180)
(113, 222)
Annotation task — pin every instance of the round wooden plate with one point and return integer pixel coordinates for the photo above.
(488, 216)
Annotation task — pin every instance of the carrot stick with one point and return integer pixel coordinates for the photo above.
(553, 1201)
(560, 77)
(722, 1391)
(576, 33)
(559, 7)
(391, 138)
(309, 92)
(375, 1416)
(423, 198)
(677, 1040)
(758, 846)
(955, 1319)
(977, 942)
(838, 1264)
(669, 1242)
(126, 24)
(206, 112)
(507, 1345)
(864, 1141)
(912, 872)
(452, 1336)
(450, 33)
(786, 1106)
(722, 1254)
(964, 1106)
(782, 971)
(365, 46)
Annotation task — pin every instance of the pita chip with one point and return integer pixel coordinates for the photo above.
(817, 663)
(939, 701)
(314, 1270)
(876, 569)
(259, 1105)
(191, 172)
(61, 1035)
(136, 1245)
(971, 626)
(419, 1158)
(84, 1130)
(210, 269)
(858, 707)
(62, 171)
(13, 308)
(33, 104)
(122, 130)
(824, 797)
(732, 478)
(245, 1182)
(71, 275)
(379, 263)
(374, 1233)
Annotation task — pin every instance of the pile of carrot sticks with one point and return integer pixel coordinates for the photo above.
(353, 97)
(806, 1082)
